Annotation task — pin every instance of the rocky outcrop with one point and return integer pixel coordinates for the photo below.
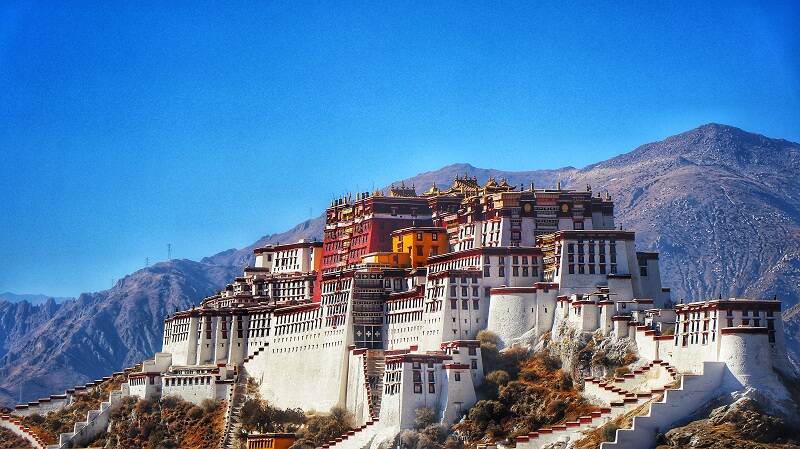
(588, 355)
(740, 425)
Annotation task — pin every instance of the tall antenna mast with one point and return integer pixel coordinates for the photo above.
(147, 261)
(169, 251)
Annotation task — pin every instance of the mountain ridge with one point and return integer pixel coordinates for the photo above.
(33, 298)
(720, 204)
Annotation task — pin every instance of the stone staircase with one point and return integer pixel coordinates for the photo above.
(653, 377)
(236, 398)
(253, 355)
(96, 422)
(374, 366)
(15, 425)
(677, 404)
(359, 438)
(55, 402)
(618, 395)
(374, 370)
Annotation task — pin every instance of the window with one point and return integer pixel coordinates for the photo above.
(486, 272)
(464, 304)
(475, 304)
(571, 269)
(452, 290)
(419, 250)
(501, 271)
(475, 291)
(435, 236)
(431, 388)
(515, 271)
(487, 291)
(419, 236)
(472, 350)
(457, 377)
(473, 364)
(453, 304)
(418, 388)
(464, 290)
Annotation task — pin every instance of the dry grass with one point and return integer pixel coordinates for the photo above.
(542, 394)
(167, 424)
(9, 440)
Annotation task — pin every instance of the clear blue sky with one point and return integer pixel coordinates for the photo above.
(125, 127)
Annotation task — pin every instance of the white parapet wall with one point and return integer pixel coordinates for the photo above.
(677, 405)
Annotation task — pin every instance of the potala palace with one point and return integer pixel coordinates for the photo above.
(381, 317)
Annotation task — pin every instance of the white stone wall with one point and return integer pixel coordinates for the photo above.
(695, 392)
(467, 353)
(357, 398)
(457, 395)
(511, 314)
(192, 390)
(315, 357)
(145, 387)
(748, 357)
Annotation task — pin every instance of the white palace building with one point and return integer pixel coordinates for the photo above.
(381, 317)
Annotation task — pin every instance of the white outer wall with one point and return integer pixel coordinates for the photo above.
(677, 405)
(357, 401)
(748, 357)
(317, 357)
(456, 396)
(197, 393)
(510, 315)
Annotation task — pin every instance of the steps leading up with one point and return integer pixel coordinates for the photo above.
(54, 402)
(359, 438)
(651, 378)
(96, 422)
(15, 425)
(677, 404)
(236, 398)
(375, 366)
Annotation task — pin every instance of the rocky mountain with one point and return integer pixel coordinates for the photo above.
(31, 298)
(720, 204)
(791, 323)
(18, 319)
(51, 347)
